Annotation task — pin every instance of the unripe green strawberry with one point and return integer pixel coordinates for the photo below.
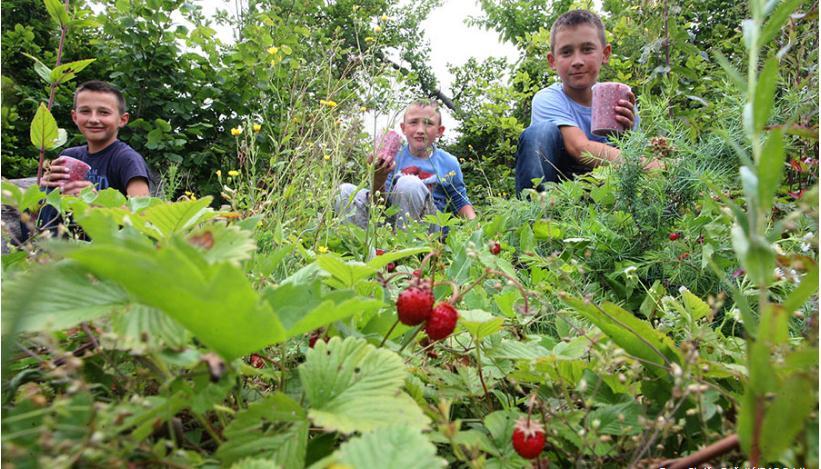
(414, 305)
(528, 438)
(442, 321)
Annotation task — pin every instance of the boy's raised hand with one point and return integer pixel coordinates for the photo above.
(625, 111)
(60, 174)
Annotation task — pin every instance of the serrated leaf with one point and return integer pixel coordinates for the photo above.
(353, 386)
(546, 229)
(56, 297)
(771, 168)
(43, 129)
(764, 97)
(227, 243)
(214, 301)
(617, 419)
(68, 71)
(479, 324)
(516, 350)
(164, 219)
(396, 446)
(259, 431)
(140, 329)
(346, 273)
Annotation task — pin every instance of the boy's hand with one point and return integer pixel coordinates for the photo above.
(624, 111)
(384, 164)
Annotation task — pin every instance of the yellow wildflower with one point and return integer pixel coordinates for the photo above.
(257, 127)
(384, 18)
(236, 131)
(233, 173)
(327, 157)
(369, 39)
(329, 103)
(377, 29)
(273, 50)
(362, 109)
(322, 249)
(219, 173)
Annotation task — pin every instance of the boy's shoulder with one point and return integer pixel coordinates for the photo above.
(443, 155)
(554, 92)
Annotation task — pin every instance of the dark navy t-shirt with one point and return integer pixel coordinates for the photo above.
(113, 166)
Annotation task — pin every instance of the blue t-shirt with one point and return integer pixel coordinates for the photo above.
(552, 104)
(440, 172)
(114, 166)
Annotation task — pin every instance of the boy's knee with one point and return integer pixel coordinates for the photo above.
(409, 185)
(541, 132)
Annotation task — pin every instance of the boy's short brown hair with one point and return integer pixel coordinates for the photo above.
(574, 18)
(425, 102)
(102, 87)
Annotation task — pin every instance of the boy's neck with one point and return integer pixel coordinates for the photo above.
(96, 147)
(426, 153)
(583, 97)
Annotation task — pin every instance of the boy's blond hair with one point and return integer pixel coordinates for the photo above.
(423, 102)
(574, 18)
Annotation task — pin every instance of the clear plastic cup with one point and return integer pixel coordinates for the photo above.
(77, 170)
(606, 96)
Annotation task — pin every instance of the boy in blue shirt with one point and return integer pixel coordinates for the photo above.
(559, 142)
(420, 178)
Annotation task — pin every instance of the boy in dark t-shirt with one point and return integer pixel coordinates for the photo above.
(99, 113)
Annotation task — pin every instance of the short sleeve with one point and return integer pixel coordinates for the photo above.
(550, 106)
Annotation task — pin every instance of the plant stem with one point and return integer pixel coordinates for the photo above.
(53, 90)
(481, 376)
(387, 334)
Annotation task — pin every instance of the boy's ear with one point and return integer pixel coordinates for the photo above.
(606, 53)
(551, 60)
(441, 131)
(123, 120)
(74, 116)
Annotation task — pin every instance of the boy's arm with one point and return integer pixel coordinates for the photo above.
(137, 187)
(592, 154)
(467, 212)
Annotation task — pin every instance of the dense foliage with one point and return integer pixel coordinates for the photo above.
(637, 316)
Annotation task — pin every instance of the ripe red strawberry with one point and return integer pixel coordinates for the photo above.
(390, 267)
(315, 335)
(683, 255)
(674, 236)
(414, 305)
(495, 248)
(379, 252)
(528, 438)
(257, 361)
(442, 321)
(417, 273)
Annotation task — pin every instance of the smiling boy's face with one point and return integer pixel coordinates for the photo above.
(422, 127)
(97, 115)
(577, 56)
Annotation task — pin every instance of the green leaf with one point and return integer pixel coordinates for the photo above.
(215, 302)
(636, 337)
(57, 11)
(731, 72)
(353, 386)
(227, 243)
(799, 296)
(776, 21)
(41, 69)
(379, 262)
(22, 200)
(506, 300)
(395, 446)
(346, 273)
(756, 255)
(787, 415)
(164, 219)
(617, 419)
(302, 307)
(140, 329)
(68, 71)
(546, 229)
(43, 129)
(56, 297)
(275, 426)
(774, 325)
(695, 306)
(771, 168)
(764, 97)
(479, 324)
